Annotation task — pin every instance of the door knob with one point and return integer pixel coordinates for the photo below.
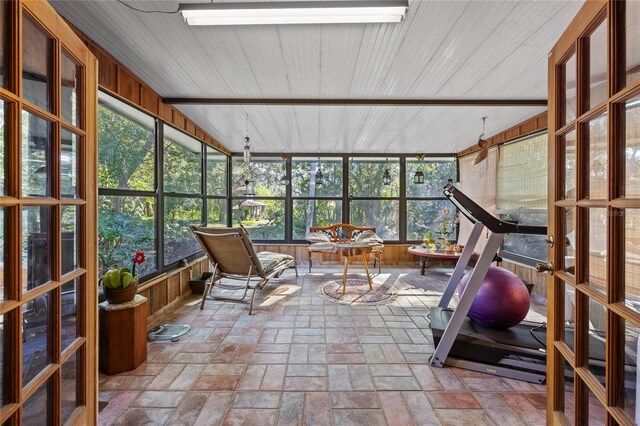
(549, 240)
(545, 267)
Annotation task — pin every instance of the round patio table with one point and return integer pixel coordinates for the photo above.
(425, 254)
(348, 250)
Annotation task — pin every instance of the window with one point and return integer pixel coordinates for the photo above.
(371, 202)
(263, 214)
(315, 205)
(522, 193)
(427, 208)
(126, 180)
(217, 165)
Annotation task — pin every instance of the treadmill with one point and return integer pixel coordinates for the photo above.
(518, 352)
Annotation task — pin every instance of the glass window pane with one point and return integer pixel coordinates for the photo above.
(179, 213)
(381, 214)
(631, 371)
(633, 41)
(69, 164)
(216, 173)
(3, 145)
(36, 246)
(598, 88)
(3, 231)
(598, 158)
(37, 64)
(531, 246)
(597, 336)
(4, 42)
(126, 141)
(568, 144)
(569, 226)
(436, 174)
(70, 226)
(365, 177)
(35, 410)
(216, 212)
(36, 340)
(126, 225)
(264, 171)
(303, 177)
(632, 258)
(308, 213)
(435, 216)
(632, 147)
(36, 156)
(182, 162)
(70, 85)
(69, 295)
(3, 320)
(597, 276)
(570, 103)
(264, 219)
(71, 384)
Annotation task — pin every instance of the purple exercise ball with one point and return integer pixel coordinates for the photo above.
(502, 301)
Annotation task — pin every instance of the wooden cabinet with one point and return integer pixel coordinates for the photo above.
(123, 335)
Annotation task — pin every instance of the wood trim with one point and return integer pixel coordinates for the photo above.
(117, 80)
(354, 102)
(535, 124)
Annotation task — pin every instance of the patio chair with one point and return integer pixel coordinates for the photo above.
(233, 257)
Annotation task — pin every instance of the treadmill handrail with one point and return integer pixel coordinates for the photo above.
(475, 213)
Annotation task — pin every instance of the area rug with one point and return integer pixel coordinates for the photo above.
(434, 280)
(358, 292)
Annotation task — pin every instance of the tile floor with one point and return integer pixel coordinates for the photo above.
(301, 359)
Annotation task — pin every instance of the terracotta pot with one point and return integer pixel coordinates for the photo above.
(116, 296)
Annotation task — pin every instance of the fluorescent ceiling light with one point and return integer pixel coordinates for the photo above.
(311, 12)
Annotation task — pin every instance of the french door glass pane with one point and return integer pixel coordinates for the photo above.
(381, 214)
(303, 172)
(3, 321)
(436, 174)
(633, 41)
(568, 144)
(429, 215)
(37, 64)
(598, 87)
(36, 336)
(263, 218)
(631, 334)
(216, 173)
(632, 144)
(35, 410)
(36, 246)
(597, 276)
(36, 156)
(632, 258)
(4, 42)
(126, 141)
(308, 213)
(70, 386)
(179, 213)
(569, 403)
(569, 226)
(597, 337)
(570, 103)
(126, 225)
(216, 212)
(598, 158)
(365, 177)
(69, 295)
(69, 93)
(3, 145)
(3, 260)
(182, 162)
(69, 164)
(597, 412)
(569, 316)
(70, 226)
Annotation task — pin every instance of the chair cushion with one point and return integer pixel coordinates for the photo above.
(318, 237)
(323, 247)
(369, 237)
(271, 261)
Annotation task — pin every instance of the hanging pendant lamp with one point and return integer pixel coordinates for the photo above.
(418, 177)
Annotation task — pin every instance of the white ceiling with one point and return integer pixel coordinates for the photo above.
(443, 50)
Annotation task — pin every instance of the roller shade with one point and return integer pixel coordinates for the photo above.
(522, 176)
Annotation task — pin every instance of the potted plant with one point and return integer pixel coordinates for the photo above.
(428, 239)
(120, 284)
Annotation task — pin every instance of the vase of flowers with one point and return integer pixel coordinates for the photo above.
(121, 284)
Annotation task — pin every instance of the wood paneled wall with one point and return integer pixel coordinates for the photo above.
(527, 127)
(391, 254)
(116, 79)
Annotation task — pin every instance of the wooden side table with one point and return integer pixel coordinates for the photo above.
(351, 250)
(425, 254)
(123, 335)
